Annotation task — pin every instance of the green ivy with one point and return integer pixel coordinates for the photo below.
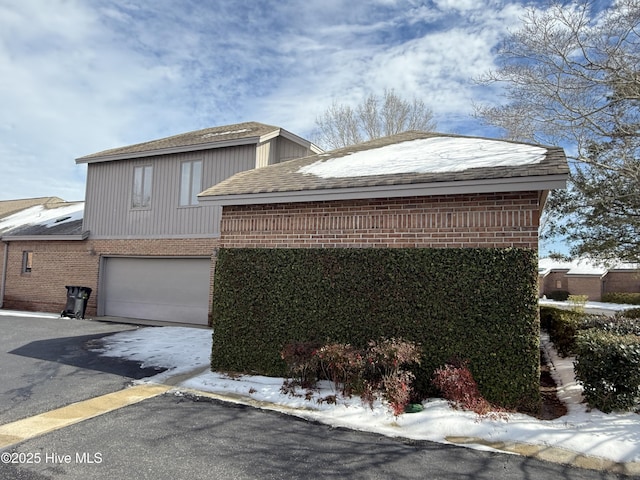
(478, 305)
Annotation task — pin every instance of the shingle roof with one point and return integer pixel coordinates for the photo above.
(53, 221)
(248, 132)
(9, 207)
(290, 177)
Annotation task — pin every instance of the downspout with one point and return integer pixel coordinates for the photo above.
(3, 277)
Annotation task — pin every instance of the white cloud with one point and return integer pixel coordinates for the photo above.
(78, 77)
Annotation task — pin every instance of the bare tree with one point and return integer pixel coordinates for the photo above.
(571, 78)
(341, 125)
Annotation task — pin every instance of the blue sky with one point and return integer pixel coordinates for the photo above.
(81, 76)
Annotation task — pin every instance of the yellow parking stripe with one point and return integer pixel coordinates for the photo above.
(21, 430)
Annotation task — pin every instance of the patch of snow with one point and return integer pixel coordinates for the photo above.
(39, 215)
(427, 155)
(181, 349)
(217, 134)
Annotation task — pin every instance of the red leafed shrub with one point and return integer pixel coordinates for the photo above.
(457, 385)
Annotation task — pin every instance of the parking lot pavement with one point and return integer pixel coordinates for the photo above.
(46, 363)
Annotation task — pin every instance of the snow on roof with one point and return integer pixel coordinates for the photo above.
(581, 266)
(43, 216)
(427, 155)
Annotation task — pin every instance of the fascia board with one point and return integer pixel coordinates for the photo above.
(169, 151)
(34, 238)
(515, 184)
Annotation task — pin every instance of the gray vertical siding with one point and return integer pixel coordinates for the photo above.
(108, 212)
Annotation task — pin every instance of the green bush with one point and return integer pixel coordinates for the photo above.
(558, 295)
(477, 304)
(608, 366)
(630, 313)
(562, 326)
(624, 298)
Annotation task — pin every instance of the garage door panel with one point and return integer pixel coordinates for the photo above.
(165, 289)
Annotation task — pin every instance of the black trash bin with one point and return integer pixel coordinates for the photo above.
(77, 298)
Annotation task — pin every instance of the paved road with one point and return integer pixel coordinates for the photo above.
(176, 437)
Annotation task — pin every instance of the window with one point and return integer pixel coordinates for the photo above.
(190, 182)
(558, 283)
(142, 187)
(27, 261)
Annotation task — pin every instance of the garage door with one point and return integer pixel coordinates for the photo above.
(165, 289)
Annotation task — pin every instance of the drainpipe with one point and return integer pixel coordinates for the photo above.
(3, 277)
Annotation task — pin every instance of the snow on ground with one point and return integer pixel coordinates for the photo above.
(428, 155)
(614, 437)
(614, 307)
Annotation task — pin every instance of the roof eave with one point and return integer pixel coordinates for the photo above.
(31, 238)
(513, 184)
(293, 137)
(168, 151)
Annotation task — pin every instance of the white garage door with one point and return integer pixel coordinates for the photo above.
(165, 289)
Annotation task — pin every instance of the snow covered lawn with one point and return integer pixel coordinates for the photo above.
(615, 437)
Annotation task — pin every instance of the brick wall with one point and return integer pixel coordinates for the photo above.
(591, 286)
(483, 220)
(627, 282)
(60, 263)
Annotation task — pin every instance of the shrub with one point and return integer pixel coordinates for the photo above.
(578, 302)
(480, 304)
(621, 297)
(630, 313)
(343, 365)
(302, 362)
(378, 370)
(558, 295)
(608, 366)
(457, 385)
(562, 326)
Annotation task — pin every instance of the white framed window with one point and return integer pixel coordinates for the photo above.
(190, 182)
(142, 179)
(27, 261)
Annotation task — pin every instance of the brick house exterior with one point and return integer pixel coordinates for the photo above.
(585, 277)
(284, 206)
(145, 244)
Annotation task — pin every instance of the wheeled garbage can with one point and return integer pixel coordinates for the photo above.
(77, 298)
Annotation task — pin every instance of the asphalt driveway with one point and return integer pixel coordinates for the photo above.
(46, 363)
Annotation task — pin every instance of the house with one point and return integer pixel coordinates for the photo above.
(587, 277)
(445, 226)
(145, 243)
(413, 190)
(42, 239)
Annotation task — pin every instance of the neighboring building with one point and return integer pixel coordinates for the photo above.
(146, 242)
(410, 190)
(42, 242)
(587, 277)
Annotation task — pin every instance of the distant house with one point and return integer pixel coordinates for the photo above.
(144, 243)
(41, 240)
(587, 277)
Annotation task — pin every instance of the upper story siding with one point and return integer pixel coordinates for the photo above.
(108, 208)
(113, 212)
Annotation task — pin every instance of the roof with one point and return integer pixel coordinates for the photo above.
(9, 207)
(407, 164)
(583, 267)
(59, 221)
(216, 137)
